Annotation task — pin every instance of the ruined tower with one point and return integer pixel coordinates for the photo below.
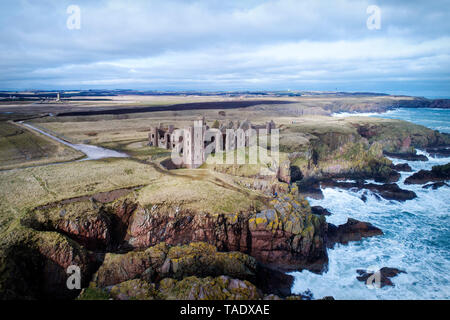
(154, 137)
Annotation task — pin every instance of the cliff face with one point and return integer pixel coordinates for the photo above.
(381, 103)
(165, 242)
(35, 266)
(166, 247)
(287, 235)
(354, 147)
(440, 103)
(177, 262)
(423, 103)
(399, 136)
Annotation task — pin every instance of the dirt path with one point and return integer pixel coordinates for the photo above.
(91, 152)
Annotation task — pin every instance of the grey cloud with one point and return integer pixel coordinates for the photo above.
(229, 44)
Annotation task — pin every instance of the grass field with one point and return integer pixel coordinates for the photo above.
(23, 189)
(21, 147)
(200, 190)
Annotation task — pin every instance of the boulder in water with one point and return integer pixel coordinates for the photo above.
(389, 191)
(436, 174)
(436, 185)
(409, 156)
(439, 152)
(402, 167)
(320, 211)
(380, 278)
(353, 230)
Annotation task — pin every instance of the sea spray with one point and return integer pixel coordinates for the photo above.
(416, 239)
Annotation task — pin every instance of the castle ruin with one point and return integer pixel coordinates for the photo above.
(195, 142)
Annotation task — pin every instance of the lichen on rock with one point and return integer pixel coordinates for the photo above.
(219, 288)
(177, 262)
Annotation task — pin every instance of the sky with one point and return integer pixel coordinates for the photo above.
(216, 45)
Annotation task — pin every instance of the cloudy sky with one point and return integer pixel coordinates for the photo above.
(227, 45)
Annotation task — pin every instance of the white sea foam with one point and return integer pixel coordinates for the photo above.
(354, 114)
(416, 239)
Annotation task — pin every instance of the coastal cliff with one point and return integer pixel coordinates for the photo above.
(116, 242)
(195, 233)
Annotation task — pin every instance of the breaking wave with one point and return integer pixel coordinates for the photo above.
(416, 239)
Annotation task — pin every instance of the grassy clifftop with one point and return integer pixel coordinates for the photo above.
(397, 135)
(352, 146)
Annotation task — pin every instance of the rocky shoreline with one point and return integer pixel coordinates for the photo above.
(165, 250)
(436, 174)
(119, 244)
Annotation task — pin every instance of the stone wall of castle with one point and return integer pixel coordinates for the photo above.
(191, 141)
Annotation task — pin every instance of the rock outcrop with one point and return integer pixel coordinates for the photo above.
(436, 174)
(389, 191)
(189, 288)
(402, 167)
(286, 235)
(380, 278)
(36, 267)
(439, 152)
(83, 221)
(320, 211)
(219, 288)
(284, 172)
(436, 185)
(163, 261)
(135, 289)
(409, 156)
(310, 188)
(353, 230)
(400, 139)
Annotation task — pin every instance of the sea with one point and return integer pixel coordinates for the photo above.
(416, 233)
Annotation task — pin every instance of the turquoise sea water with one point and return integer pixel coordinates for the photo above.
(416, 234)
(436, 119)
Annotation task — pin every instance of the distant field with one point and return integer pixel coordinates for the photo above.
(176, 107)
(128, 104)
(20, 147)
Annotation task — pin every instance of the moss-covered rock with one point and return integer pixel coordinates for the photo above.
(118, 268)
(35, 267)
(285, 235)
(84, 221)
(353, 147)
(160, 261)
(219, 288)
(94, 294)
(136, 289)
(398, 135)
(202, 259)
(357, 160)
(189, 288)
